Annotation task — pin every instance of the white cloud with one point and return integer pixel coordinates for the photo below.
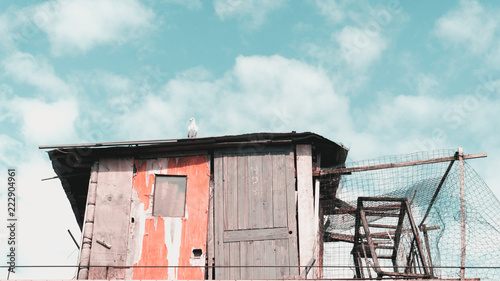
(258, 94)
(9, 149)
(426, 84)
(190, 4)
(251, 13)
(470, 26)
(46, 123)
(331, 10)
(360, 48)
(396, 113)
(77, 26)
(35, 71)
(493, 58)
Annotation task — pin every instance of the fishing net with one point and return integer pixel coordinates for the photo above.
(418, 183)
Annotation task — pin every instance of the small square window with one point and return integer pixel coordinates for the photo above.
(169, 196)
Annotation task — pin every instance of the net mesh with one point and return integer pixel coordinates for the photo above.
(419, 184)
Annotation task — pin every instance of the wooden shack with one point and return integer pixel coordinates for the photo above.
(202, 208)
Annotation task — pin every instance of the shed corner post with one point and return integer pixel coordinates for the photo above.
(305, 201)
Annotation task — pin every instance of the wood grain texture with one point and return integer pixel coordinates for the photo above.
(267, 188)
(255, 234)
(255, 191)
(279, 189)
(291, 213)
(219, 216)
(234, 261)
(210, 232)
(111, 221)
(243, 193)
(305, 204)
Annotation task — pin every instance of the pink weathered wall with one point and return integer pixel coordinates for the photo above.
(169, 241)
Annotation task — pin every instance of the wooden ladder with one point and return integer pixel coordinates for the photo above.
(386, 240)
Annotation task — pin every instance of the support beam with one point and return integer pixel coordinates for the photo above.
(443, 179)
(462, 211)
(341, 171)
(319, 236)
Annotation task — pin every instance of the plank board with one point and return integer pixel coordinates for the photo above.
(305, 205)
(267, 189)
(279, 191)
(219, 217)
(210, 232)
(291, 213)
(234, 261)
(256, 234)
(243, 193)
(112, 211)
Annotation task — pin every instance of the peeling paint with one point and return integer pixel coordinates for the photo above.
(154, 252)
(141, 184)
(169, 241)
(173, 235)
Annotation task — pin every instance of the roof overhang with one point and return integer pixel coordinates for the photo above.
(72, 162)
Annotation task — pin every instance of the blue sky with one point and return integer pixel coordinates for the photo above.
(382, 77)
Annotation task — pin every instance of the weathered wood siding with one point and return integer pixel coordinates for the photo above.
(255, 212)
(111, 219)
(169, 241)
(307, 224)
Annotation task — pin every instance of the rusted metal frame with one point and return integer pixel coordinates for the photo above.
(357, 237)
(383, 226)
(397, 236)
(369, 239)
(395, 267)
(378, 214)
(351, 209)
(441, 183)
(384, 199)
(416, 237)
(409, 260)
(342, 237)
(424, 229)
(359, 271)
(397, 165)
(366, 260)
(418, 265)
(387, 234)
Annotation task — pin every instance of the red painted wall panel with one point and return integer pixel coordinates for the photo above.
(170, 241)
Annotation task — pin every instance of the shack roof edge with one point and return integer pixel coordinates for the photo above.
(72, 162)
(192, 141)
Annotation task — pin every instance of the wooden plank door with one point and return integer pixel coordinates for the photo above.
(255, 214)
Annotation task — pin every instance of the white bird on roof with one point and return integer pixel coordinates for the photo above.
(192, 129)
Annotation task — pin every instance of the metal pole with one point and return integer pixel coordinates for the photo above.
(462, 211)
